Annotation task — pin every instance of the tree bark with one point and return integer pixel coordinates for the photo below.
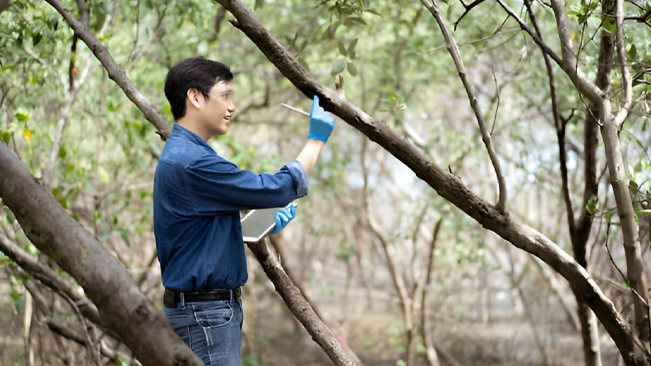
(447, 185)
(4, 5)
(122, 307)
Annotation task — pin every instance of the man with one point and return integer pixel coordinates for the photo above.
(197, 201)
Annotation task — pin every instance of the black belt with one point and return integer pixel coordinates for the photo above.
(173, 297)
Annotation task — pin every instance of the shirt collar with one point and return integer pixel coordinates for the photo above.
(188, 135)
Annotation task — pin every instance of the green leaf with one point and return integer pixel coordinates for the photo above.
(352, 69)
(338, 66)
(351, 46)
(373, 11)
(104, 236)
(36, 38)
(354, 21)
(342, 49)
(631, 52)
(626, 307)
(10, 215)
(6, 137)
(63, 152)
(22, 117)
(607, 25)
(125, 236)
(120, 362)
(642, 212)
(591, 207)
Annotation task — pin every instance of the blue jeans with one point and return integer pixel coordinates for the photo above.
(212, 330)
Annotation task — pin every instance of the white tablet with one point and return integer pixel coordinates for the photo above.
(258, 223)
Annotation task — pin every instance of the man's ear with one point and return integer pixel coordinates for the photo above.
(193, 96)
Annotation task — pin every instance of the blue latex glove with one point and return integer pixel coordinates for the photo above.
(283, 217)
(321, 122)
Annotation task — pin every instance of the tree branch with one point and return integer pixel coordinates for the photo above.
(63, 121)
(87, 340)
(149, 110)
(468, 9)
(63, 329)
(153, 39)
(558, 122)
(446, 184)
(458, 62)
(48, 277)
(339, 353)
(626, 69)
(568, 63)
(641, 18)
(426, 334)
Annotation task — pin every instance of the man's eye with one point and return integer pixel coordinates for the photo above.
(226, 96)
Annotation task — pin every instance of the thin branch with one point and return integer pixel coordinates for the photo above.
(135, 39)
(624, 277)
(558, 122)
(63, 122)
(456, 56)
(497, 106)
(47, 277)
(217, 25)
(641, 18)
(65, 115)
(67, 332)
(468, 9)
(568, 63)
(153, 39)
(626, 70)
(148, 109)
(426, 334)
(84, 12)
(278, 247)
(88, 340)
(36, 57)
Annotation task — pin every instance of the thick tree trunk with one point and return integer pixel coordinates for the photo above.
(447, 185)
(122, 307)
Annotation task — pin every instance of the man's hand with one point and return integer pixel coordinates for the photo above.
(283, 217)
(321, 122)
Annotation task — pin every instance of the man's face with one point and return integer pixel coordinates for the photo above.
(219, 108)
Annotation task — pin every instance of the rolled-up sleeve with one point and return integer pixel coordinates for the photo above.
(217, 185)
(300, 177)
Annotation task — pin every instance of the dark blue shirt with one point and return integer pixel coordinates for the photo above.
(197, 201)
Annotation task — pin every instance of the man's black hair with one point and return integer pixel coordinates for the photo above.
(193, 73)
